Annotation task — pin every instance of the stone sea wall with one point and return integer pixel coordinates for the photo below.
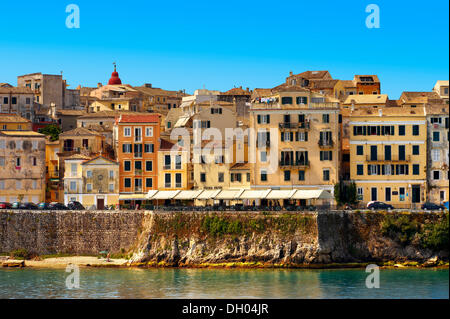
(202, 238)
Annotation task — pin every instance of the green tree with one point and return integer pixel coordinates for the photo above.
(345, 193)
(51, 130)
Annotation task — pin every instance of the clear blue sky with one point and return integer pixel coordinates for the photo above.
(221, 44)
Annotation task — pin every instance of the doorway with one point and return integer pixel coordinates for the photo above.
(100, 203)
(415, 190)
(374, 193)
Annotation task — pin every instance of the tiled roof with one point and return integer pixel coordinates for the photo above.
(437, 109)
(22, 133)
(261, 93)
(348, 84)
(16, 90)
(419, 97)
(165, 145)
(240, 166)
(158, 91)
(71, 112)
(357, 77)
(79, 131)
(367, 99)
(389, 111)
(312, 74)
(109, 114)
(323, 84)
(12, 118)
(77, 157)
(236, 91)
(150, 118)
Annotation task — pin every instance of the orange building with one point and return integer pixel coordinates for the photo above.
(367, 84)
(137, 148)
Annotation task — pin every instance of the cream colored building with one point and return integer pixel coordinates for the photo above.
(441, 88)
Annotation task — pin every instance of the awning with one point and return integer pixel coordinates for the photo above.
(312, 194)
(229, 194)
(165, 194)
(208, 194)
(192, 194)
(254, 194)
(132, 197)
(280, 194)
(182, 121)
(151, 193)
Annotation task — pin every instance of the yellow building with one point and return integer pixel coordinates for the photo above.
(388, 155)
(13, 122)
(22, 166)
(174, 167)
(53, 193)
(92, 182)
(297, 140)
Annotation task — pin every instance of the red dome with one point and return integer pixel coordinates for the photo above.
(114, 80)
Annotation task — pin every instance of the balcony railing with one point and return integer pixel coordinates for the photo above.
(326, 143)
(379, 158)
(167, 185)
(178, 185)
(289, 125)
(138, 154)
(294, 163)
(167, 166)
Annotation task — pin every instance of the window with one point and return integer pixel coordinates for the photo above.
(19, 145)
(415, 130)
(416, 169)
(127, 131)
(216, 110)
(149, 166)
(326, 155)
(302, 100)
(263, 119)
(401, 130)
(2, 161)
(137, 166)
(401, 192)
(415, 149)
(167, 180)
(326, 118)
(301, 175)
(18, 184)
(34, 161)
(359, 169)
(111, 188)
(287, 136)
(137, 134)
(5, 100)
(2, 143)
(263, 176)
(137, 150)
(178, 180)
(127, 166)
(137, 184)
(167, 162)
(89, 187)
(287, 176)
(220, 177)
(178, 161)
(401, 152)
(359, 150)
(435, 155)
(149, 148)
(148, 182)
(236, 177)
(436, 136)
(89, 174)
(126, 148)
(149, 131)
(435, 120)
(326, 174)
(202, 177)
(436, 175)
(73, 186)
(286, 100)
(387, 152)
(2, 184)
(360, 193)
(219, 159)
(127, 182)
(248, 177)
(111, 174)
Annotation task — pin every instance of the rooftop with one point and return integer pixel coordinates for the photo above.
(16, 90)
(367, 99)
(148, 118)
(22, 133)
(12, 118)
(79, 131)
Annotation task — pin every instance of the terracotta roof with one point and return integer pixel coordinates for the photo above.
(437, 109)
(77, 157)
(108, 114)
(236, 91)
(312, 74)
(289, 88)
(16, 90)
(71, 112)
(419, 97)
(166, 145)
(158, 91)
(240, 166)
(12, 118)
(261, 93)
(150, 118)
(79, 131)
(22, 133)
(96, 157)
(358, 77)
(389, 111)
(323, 84)
(348, 83)
(367, 99)
(5, 85)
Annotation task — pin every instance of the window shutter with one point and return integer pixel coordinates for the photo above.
(291, 136)
(282, 137)
(321, 155)
(268, 118)
(296, 136)
(331, 155)
(306, 136)
(259, 119)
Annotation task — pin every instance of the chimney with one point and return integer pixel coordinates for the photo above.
(99, 85)
(291, 73)
(240, 87)
(148, 85)
(247, 89)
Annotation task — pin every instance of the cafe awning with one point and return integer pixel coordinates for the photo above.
(151, 193)
(208, 194)
(312, 194)
(165, 194)
(191, 194)
(229, 194)
(254, 194)
(280, 194)
(132, 197)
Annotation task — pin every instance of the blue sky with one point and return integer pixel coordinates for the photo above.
(221, 44)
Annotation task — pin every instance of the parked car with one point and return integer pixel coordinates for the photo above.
(74, 205)
(5, 205)
(57, 206)
(43, 206)
(28, 206)
(379, 205)
(431, 206)
(15, 205)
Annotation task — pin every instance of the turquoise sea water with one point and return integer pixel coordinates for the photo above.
(230, 283)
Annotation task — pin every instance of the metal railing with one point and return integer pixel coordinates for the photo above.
(294, 163)
(298, 125)
(380, 158)
(326, 143)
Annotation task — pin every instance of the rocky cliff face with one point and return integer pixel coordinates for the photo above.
(182, 239)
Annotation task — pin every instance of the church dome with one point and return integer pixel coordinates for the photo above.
(114, 80)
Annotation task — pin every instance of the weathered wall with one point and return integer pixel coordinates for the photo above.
(195, 238)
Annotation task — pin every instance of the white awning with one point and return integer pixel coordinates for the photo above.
(254, 194)
(132, 197)
(280, 194)
(312, 194)
(192, 194)
(229, 194)
(165, 194)
(182, 121)
(208, 194)
(151, 193)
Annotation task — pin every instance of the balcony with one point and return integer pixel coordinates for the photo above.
(326, 143)
(292, 163)
(263, 143)
(393, 159)
(168, 166)
(138, 154)
(294, 126)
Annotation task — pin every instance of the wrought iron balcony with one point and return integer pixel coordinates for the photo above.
(294, 126)
(380, 158)
(294, 163)
(326, 143)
